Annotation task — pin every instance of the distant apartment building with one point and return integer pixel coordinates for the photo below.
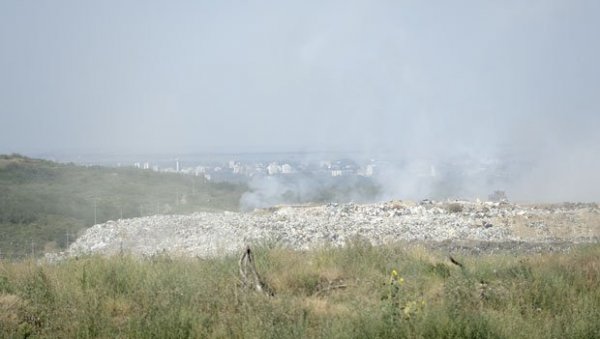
(200, 170)
(367, 171)
(325, 164)
(237, 168)
(273, 168)
(258, 169)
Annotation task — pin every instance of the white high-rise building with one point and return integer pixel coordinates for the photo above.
(368, 171)
(273, 168)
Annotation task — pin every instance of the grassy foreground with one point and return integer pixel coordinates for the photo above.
(359, 291)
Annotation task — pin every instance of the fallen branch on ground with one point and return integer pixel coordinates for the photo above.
(455, 262)
(250, 277)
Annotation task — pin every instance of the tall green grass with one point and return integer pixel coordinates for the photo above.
(359, 291)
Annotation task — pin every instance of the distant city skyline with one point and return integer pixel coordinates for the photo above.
(410, 79)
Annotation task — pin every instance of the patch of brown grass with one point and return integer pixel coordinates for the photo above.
(120, 309)
(10, 307)
(326, 308)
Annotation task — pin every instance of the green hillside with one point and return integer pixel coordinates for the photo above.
(44, 204)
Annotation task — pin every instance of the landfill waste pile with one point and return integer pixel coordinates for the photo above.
(306, 227)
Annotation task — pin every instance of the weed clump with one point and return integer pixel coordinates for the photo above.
(454, 208)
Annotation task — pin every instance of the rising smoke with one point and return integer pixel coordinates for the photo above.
(267, 191)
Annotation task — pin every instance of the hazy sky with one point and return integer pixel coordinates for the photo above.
(419, 77)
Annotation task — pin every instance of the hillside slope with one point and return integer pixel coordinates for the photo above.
(44, 204)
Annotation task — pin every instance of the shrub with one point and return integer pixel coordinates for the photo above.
(454, 208)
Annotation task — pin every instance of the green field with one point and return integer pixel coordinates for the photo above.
(44, 205)
(359, 291)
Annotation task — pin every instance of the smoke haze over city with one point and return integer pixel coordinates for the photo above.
(433, 86)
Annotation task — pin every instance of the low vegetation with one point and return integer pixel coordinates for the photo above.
(43, 204)
(454, 208)
(358, 291)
